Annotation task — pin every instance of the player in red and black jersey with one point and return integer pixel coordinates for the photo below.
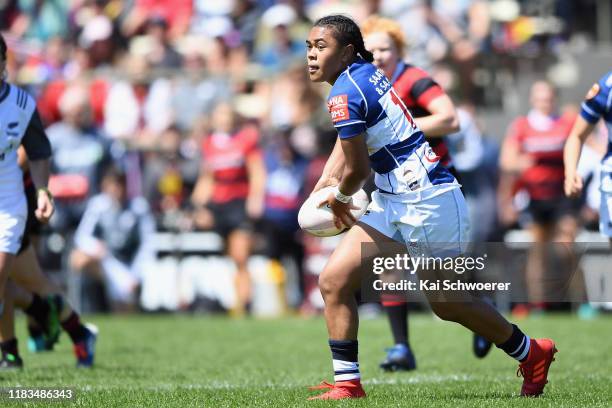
(230, 190)
(432, 108)
(531, 159)
(435, 114)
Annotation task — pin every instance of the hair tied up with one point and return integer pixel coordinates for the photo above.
(346, 32)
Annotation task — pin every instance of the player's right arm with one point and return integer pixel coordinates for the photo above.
(571, 155)
(593, 107)
(443, 119)
(511, 158)
(334, 168)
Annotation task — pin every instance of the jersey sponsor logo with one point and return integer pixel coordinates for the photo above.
(380, 82)
(593, 92)
(338, 107)
(431, 156)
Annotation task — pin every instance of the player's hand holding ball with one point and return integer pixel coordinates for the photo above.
(341, 206)
(323, 215)
(45, 206)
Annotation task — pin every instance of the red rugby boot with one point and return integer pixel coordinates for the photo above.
(535, 369)
(339, 390)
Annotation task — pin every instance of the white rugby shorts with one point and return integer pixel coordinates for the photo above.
(13, 216)
(437, 226)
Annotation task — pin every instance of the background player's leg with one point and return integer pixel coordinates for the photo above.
(27, 273)
(7, 319)
(8, 341)
(536, 262)
(6, 260)
(239, 249)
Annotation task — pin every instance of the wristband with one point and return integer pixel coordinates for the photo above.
(341, 197)
(46, 191)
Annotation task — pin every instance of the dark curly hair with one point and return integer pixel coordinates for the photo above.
(346, 32)
(3, 48)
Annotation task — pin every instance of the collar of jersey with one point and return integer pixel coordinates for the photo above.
(398, 71)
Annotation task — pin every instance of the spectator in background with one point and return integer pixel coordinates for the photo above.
(532, 153)
(79, 155)
(162, 54)
(176, 12)
(246, 16)
(41, 20)
(232, 187)
(195, 95)
(168, 179)
(282, 50)
(138, 109)
(9, 11)
(114, 240)
(292, 99)
(96, 36)
(286, 177)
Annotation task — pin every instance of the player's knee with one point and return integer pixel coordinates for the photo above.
(445, 311)
(332, 285)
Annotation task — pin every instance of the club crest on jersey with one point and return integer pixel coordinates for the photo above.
(338, 107)
(431, 156)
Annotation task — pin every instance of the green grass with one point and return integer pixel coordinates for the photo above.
(184, 361)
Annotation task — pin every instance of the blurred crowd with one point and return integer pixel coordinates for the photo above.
(196, 105)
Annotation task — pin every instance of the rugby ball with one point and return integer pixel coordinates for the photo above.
(319, 221)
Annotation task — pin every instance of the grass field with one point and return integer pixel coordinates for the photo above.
(184, 361)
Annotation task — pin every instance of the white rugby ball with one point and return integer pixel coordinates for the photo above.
(320, 221)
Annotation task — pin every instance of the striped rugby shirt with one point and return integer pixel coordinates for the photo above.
(598, 105)
(362, 100)
(19, 124)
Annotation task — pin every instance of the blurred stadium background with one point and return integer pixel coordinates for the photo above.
(142, 84)
(136, 84)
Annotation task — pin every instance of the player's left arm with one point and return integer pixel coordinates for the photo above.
(443, 119)
(38, 149)
(356, 172)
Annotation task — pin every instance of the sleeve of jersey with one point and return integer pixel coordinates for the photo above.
(348, 112)
(594, 105)
(252, 147)
(425, 90)
(35, 140)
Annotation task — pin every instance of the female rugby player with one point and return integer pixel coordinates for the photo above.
(596, 106)
(21, 125)
(435, 114)
(418, 202)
